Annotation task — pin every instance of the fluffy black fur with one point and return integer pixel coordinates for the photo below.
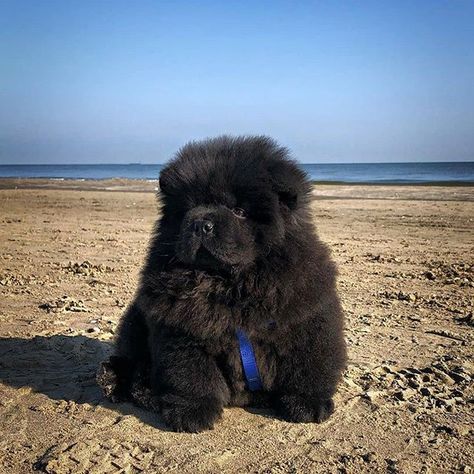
(234, 248)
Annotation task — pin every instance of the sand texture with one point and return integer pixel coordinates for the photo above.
(69, 264)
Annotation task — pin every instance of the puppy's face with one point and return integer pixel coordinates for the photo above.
(228, 226)
(229, 203)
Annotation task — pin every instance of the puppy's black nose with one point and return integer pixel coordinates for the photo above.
(207, 227)
(203, 227)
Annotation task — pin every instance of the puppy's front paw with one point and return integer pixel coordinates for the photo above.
(109, 379)
(297, 409)
(190, 414)
(323, 409)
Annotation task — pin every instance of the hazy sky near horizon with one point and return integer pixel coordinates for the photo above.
(336, 81)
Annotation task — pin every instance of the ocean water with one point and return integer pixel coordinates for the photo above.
(370, 173)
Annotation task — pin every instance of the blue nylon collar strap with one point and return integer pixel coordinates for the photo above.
(249, 363)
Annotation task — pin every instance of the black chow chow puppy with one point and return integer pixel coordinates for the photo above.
(237, 303)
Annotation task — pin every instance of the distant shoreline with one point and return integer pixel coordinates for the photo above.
(439, 191)
(104, 183)
(360, 174)
(388, 182)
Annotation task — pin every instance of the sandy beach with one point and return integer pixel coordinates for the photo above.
(71, 253)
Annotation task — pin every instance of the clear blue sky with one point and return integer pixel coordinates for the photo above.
(130, 81)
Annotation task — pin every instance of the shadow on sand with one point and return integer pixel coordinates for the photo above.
(64, 368)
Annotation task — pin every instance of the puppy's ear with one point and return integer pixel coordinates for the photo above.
(162, 184)
(165, 182)
(288, 182)
(289, 199)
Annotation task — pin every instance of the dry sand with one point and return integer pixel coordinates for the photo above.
(69, 264)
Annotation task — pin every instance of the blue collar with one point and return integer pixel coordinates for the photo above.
(249, 363)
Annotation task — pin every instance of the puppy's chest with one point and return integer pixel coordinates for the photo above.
(243, 308)
(245, 298)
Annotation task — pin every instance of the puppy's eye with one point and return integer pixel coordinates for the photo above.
(239, 212)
